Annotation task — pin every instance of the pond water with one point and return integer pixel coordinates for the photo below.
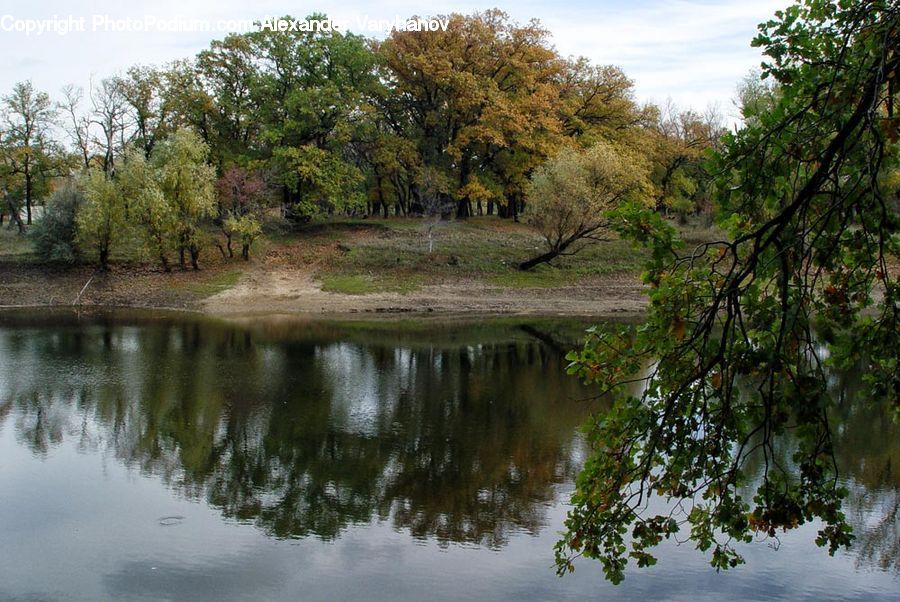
(153, 456)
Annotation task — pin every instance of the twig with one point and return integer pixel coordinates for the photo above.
(84, 288)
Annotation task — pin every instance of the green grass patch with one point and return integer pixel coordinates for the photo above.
(400, 255)
(14, 245)
(208, 284)
(364, 284)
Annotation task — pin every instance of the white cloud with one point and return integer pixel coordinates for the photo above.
(694, 52)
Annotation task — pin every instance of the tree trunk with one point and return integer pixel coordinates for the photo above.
(14, 215)
(462, 208)
(285, 201)
(553, 253)
(544, 258)
(104, 258)
(195, 257)
(29, 190)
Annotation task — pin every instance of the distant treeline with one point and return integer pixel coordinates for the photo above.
(438, 121)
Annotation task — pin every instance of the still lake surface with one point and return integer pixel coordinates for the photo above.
(163, 456)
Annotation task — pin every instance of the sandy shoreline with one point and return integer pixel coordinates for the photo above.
(269, 290)
(298, 293)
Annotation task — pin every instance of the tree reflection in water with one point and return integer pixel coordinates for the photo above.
(460, 436)
(447, 432)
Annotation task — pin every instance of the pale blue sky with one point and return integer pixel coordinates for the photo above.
(694, 51)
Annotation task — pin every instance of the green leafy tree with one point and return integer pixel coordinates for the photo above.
(188, 102)
(230, 73)
(138, 182)
(187, 183)
(571, 196)
(144, 91)
(320, 181)
(740, 332)
(101, 218)
(246, 229)
(305, 90)
(755, 97)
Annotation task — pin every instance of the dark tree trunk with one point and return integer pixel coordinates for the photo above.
(553, 253)
(285, 201)
(104, 258)
(14, 216)
(462, 208)
(548, 256)
(29, 190)
(401, 192)
(464, 205)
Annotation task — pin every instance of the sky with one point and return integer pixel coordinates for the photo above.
(692, 51)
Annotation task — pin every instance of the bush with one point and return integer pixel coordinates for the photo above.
(54, 234)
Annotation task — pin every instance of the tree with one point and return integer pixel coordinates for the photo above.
(597, 102)
(570, 197)
(138, 182)
(755, 97)
(188, 104)
(10, 180)
(479, 100)
(187, 185)
(28, 117)
(101, 218)
(229, 72)
(241, 197)
(54, 235)
(143, 90)
(739, 331)
(79, 124)
(246, 229)
(320, 181)
(307, 86)
(679, 140)
(109, 112)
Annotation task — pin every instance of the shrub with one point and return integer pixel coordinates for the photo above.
(54, 234)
